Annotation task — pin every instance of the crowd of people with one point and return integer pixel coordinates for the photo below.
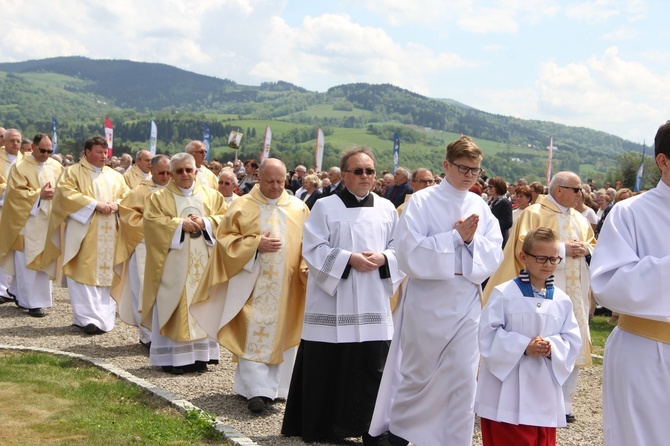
(392, 309)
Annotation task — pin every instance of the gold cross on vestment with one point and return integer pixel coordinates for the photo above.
(270, 272)
(260, 334)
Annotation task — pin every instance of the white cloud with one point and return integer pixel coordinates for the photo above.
(400, 12)
(334, 47)
(592, 12)
(606, 92)
(619, 34)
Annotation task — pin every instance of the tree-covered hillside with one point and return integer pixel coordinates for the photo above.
(80, 92)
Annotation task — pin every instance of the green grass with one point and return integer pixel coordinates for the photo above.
(326, 111)
(600, 330)
(56, 400)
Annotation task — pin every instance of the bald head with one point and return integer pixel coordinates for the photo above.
(564, 188)
(272, 176)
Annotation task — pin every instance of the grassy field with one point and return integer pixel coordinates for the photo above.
(600, 330)
(48, 399)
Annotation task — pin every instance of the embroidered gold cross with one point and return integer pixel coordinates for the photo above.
(270, 272)
(260, 334)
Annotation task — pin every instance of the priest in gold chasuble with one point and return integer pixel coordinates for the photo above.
(87, 199)
(9, 155)
(27, 207)
(179, 225)
(252, 298)
(555, 211)
(130, 254)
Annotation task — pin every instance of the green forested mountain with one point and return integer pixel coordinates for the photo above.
(80, 92)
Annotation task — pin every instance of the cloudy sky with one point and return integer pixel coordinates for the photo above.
(602, 64)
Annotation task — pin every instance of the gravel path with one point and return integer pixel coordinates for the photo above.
(212, 391)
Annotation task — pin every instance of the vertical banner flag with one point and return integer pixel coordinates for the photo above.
(109, 135)
(54, 139)
(396, 151)
(153, 138)
(640, 171)
(234, 140)
(266, 144)
(318, 152)
(207, 139)
(551, 149)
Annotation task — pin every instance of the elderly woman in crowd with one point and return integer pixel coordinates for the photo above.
(312, 193)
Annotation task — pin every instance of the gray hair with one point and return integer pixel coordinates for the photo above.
(417, 172)
(190, 147)
(560, 179)
(139, 154)
(180, 158)
(403, 171)
(229, 173)
(156, 159)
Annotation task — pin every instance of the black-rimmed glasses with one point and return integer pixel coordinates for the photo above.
(544, 259)
(46, 151)
(465, 169)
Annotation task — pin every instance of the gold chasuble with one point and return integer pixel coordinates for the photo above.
(207, 177)
(254, 302)
(131, 239)
(134, 177)
(20, 230)
(88, 251)
(571, 276)
(173, 275)
(5, 166)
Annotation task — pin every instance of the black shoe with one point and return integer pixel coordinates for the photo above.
(569, 418)
(173, 370)
(36, 312)
(381, 440)
(196, 367)
(394, 440)
(5, 300)
(146, 345)
(256, 404)
(91, 329)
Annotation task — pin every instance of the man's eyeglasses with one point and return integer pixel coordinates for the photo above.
(163, 172)
(225, 183)
(200, 152)
(181, 170)
(426, 181)
(465, 169)
(543, 259)
(574, 189)
(359, 172)
(46, 151)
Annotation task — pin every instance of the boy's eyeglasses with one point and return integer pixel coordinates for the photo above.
(544, 259)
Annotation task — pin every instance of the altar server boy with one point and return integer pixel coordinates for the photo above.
(529, 340)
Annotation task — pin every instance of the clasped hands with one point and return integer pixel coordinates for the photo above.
(107, 208)
(366, 261)
(192, 223)
(576, 249)
(538, 346)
